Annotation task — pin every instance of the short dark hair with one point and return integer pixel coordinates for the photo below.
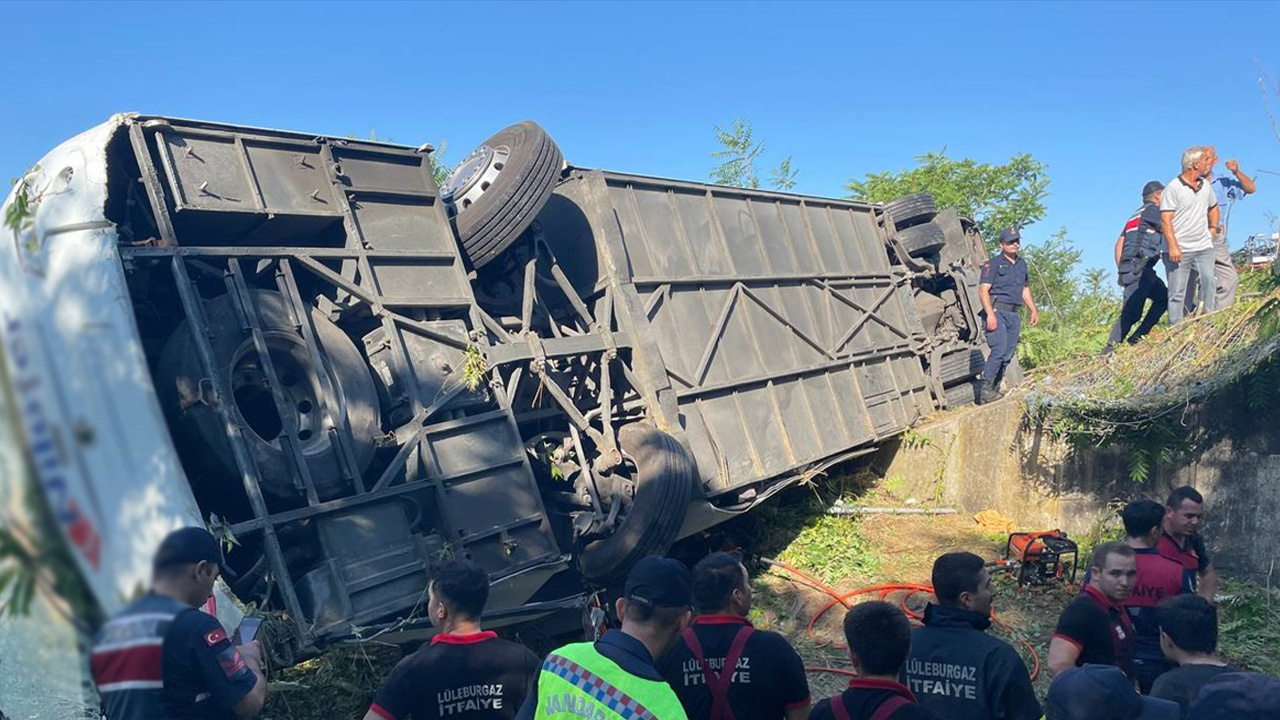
(715, 577)
(659, 616)
(1190, 621)
(1186, 492)
(1141, 517)
(880, 635)
(1108, 549)
(463, 586)
(955, 573)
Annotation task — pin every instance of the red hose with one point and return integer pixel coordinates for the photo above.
(885, 591)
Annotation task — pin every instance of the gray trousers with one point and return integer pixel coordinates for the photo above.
(1225, 278)
(1201, 261)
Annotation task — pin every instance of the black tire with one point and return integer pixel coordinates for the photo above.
(961, 365)
(664, 485)
(504, 209)
(179, 376)
(923, 239)
(963, 394)
(910, 210)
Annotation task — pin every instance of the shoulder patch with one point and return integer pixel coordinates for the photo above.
(986, 265)
(215, 636)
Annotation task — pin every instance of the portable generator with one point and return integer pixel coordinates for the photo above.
(1041, 557)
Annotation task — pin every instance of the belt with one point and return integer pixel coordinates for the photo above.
(1011, 307)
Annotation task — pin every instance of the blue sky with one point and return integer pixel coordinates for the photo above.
(1106, 94)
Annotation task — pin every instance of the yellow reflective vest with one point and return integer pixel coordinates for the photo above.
(577, 682)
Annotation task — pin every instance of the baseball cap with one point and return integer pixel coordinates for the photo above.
(1009, 235)
(659, 582)
(1103, 692)
(188, 546)
(1237, 695)
(1151, 187)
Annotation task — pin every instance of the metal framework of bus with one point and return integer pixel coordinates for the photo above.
(653, 357)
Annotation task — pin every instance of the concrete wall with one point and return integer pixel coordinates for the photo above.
(989, 457)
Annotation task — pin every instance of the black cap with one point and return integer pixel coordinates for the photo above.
(1102, 692)
(1010, 234)
(1231, 696)
(188, 546)
(1152, 187)
(659, 582)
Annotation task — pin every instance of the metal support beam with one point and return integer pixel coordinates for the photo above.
(248, 469)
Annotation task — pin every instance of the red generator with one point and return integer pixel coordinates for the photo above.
(1041, 557)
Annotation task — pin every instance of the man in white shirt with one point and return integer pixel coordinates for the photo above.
(1189, 218)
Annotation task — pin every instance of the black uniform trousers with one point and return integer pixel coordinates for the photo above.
(1148, 286)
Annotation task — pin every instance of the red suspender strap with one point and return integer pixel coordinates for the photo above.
(889, 707)
(719, 684)
(838, 709)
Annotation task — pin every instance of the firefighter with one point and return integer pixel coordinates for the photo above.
(722, 668)
(955, 668)
(1095, 628)
(1159, 578)
(879, 637)
(615, 678)
(1004, 288)
(1182, 541)
(464, 672)
(1137, 250)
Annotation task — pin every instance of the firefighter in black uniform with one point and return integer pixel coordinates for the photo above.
(1137, 249)
(1003, 289)
(955, 668)
(722, 668)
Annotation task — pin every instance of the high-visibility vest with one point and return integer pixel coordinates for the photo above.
(576, 682)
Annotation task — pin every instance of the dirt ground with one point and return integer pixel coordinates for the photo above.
(907, 546)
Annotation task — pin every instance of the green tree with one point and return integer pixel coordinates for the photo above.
(1076, 308)
(739, 153)
(994, 196)
(783, 177)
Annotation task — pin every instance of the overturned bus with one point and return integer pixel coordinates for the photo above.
(350, 372)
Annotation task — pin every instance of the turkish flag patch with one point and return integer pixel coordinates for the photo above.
(215, 637)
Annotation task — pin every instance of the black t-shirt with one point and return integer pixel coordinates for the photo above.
(204, 675)
(1101, 629)
(864, 697)
(1183, 683)
(460, 677)
(768, 679)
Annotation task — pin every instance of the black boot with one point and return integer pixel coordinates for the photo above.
(987, 392)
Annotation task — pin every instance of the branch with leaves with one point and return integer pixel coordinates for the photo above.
(740, 150)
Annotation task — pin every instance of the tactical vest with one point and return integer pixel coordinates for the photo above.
(578, 683)
(1140, 248)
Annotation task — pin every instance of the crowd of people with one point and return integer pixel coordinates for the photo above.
(1139, 642)
(1183, 222)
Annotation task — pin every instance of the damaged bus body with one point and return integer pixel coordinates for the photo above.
(307, 345)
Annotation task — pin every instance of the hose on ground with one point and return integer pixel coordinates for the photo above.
(909, 589)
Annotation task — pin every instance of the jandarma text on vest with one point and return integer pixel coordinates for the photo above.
(574, 704)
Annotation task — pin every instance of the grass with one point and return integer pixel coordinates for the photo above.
(1249, 626)
(338, 684)
(833, 549)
